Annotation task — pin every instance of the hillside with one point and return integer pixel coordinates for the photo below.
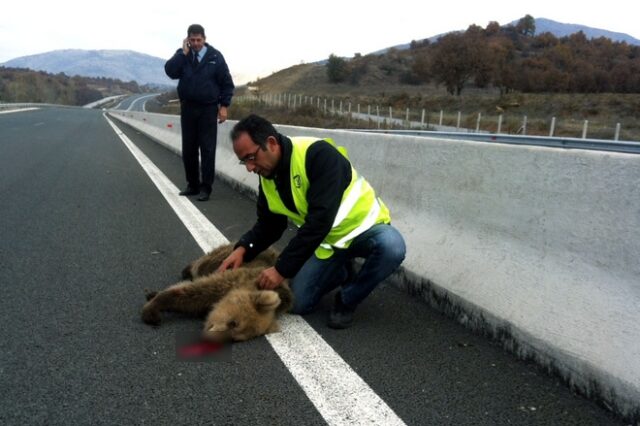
(124, 65)
(492, 71)
(488, 60)
(558, 29)
(20, 85)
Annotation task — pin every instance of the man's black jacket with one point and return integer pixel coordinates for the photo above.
(208, 83)
(329, 174)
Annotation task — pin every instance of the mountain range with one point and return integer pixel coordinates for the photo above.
(125, 65)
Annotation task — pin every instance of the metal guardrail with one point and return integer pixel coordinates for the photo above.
(629, 147)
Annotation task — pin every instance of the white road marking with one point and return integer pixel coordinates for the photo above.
(18, 110)
(205, 234)
(337, 392)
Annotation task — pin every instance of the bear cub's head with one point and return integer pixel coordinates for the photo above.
(241, 315)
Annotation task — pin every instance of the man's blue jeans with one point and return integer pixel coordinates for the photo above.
(383, 250)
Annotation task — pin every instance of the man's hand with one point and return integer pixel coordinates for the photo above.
(269, 279)
(234, 260)
(185, 46)
(222, 114)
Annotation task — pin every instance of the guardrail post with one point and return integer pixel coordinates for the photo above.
(408, 117)
(524, 125)
(358, 109)
(499, 124)
(478, 122)
(441, 114)
(340, 110)
(617, 135)
(325, 105)
(458, 122)
(333, 107)
(378, 115)
(552, 129)
(585, 126)
(422, 119)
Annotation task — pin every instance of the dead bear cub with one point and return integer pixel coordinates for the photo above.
(237, 309)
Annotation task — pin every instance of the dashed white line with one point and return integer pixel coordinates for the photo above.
(337, 392)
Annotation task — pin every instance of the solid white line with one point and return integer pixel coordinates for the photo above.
(337, 392)
(206, 235)
(18, 110)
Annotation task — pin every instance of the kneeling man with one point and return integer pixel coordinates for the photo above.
(339, 218)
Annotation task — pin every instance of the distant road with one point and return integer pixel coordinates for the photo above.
(135, 102)
(84, 231)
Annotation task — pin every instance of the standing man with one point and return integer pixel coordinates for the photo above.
(205, 90)
(338, 215)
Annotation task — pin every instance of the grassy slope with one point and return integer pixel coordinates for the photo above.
(375, 88)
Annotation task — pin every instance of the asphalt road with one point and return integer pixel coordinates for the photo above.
(84, 231)
(135, 102)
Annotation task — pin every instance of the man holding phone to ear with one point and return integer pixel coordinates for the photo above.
(205, 89)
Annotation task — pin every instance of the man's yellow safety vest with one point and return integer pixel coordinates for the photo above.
(359, 210)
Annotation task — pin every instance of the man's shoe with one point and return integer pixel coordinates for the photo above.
(189, 190)
(204, 195)
(341, 315)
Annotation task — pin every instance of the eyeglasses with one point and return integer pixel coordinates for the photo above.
(249, 157)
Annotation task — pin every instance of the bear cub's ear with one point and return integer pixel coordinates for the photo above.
(265, 300)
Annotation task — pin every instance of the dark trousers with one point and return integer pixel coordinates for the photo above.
(199, 135)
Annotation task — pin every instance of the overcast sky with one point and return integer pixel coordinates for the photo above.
(258, 37)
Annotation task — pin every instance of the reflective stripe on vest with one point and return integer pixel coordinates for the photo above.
(359, 209)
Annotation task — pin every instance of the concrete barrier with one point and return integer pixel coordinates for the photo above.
(538, 247)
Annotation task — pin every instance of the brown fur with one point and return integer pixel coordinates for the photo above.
(238, 309)
(209, 263)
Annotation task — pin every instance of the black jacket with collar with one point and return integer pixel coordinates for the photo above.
(208, 83)
(329, 174)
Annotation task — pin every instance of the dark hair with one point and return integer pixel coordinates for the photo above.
(195, 29)
(258, 129)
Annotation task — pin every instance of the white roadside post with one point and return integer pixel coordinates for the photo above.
(585, 127)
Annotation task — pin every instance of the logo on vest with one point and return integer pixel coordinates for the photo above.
(296, 181)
